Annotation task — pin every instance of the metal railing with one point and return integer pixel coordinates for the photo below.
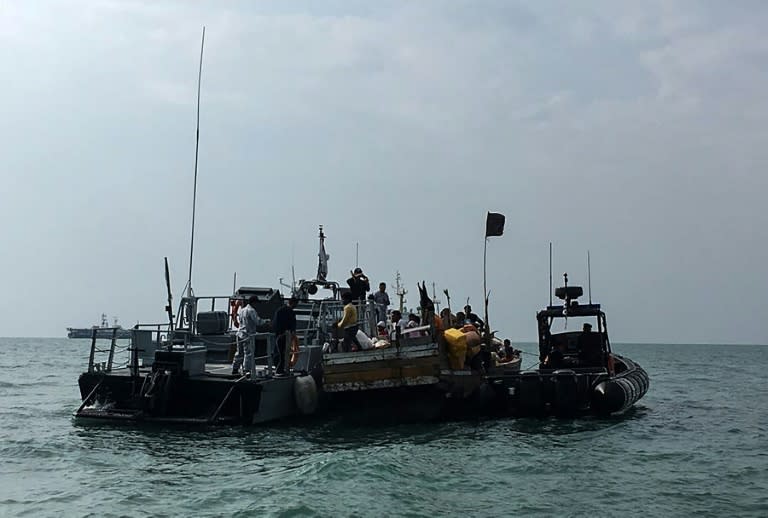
(102, 366)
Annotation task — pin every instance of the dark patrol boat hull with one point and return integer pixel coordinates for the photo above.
(180, 387)
(202, 399)
(571, 392)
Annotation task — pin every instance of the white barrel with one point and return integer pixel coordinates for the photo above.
(305, 394)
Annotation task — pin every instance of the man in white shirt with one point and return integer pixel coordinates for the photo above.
(397, 322)
(249, 324)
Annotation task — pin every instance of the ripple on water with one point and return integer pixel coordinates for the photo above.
(688, 448)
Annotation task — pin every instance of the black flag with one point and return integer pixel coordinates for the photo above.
(494, 224)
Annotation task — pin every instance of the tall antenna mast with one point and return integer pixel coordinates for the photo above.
(357, 254)
(550, 273)
(400, 290)
(589, 278)
(435, 300)
(194, 188)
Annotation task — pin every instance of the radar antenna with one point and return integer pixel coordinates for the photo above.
(589, 278)
(194, 187)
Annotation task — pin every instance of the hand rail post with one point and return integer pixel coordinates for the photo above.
(112, 349)
(93, 351)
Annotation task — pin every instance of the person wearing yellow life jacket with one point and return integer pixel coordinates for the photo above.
(348, 324)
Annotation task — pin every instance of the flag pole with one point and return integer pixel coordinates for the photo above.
(485, 292)
(494, 226)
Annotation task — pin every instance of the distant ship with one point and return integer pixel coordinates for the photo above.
(102, 331)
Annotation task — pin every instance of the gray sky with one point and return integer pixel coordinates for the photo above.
(635, 130)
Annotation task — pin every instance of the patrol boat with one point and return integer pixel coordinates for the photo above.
(578, 373)
(180, 371)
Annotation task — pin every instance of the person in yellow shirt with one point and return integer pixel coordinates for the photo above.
(348, 324)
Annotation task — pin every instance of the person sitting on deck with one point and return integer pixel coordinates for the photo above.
(413, 321)
(460, 320)
(397, 322)
(447, 318)
(556, 357)
(509, 351)
(348, 324)
(590, 351)
(381, 330)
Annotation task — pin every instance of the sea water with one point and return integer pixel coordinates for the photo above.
(696, 444)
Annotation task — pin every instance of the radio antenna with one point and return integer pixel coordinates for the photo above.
(194, 188)
(550, 273)
(589, 278)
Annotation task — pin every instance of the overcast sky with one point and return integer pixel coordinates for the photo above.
(635, 130)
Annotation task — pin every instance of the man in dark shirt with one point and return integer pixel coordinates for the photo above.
(590, 348)
(358, 285)
(473, 318)
(556, 357)
(284, 323)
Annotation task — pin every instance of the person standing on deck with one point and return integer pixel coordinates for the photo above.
(284, 322)
(250, 321)
(358, 285)
(589, 348)
(348, 323)
(473, 318)
(237, 362)
(381, 299)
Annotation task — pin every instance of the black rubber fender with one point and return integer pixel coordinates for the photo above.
(620, 392)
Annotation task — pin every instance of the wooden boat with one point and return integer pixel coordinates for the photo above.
(409, 378)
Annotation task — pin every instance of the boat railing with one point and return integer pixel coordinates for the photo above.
(145, 340)
(96, 364)
(331, 311)
(187, 318)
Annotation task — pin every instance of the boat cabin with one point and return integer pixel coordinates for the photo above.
(207, 323)
(586, 347)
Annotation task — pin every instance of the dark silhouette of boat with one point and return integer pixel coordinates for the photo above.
(180, 371)
(578, 372)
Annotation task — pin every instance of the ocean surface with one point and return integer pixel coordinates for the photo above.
(697, 444)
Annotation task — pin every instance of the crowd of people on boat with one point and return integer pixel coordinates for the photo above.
(391, 325)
